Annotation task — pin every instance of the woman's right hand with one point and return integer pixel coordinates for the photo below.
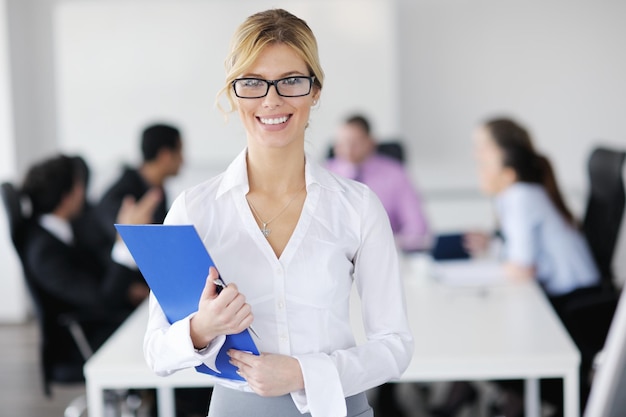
(219, 314)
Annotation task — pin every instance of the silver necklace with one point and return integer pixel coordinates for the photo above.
(264, 229)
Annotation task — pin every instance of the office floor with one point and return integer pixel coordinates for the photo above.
(21, 393)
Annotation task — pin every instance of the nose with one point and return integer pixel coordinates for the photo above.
(272, 99)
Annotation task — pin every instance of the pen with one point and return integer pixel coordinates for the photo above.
(220, 284)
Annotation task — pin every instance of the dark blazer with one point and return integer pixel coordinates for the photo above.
(130, 183)
(65, 278)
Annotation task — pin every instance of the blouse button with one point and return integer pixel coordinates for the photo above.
(281, 305)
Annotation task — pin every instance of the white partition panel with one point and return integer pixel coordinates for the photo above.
(14, 306)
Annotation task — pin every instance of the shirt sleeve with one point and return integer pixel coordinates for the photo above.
(519, 226)
(414, 233)
(122, 255)
(329, 378)
(168, 347)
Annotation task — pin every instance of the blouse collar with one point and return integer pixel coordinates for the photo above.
(236, 175)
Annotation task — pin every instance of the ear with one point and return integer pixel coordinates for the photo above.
(164, 154)
(317, 92)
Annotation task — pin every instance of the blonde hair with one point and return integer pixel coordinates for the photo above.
(263, 29)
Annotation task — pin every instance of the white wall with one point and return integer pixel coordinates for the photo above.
(32, 79)
(557, 66)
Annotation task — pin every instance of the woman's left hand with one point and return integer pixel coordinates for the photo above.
(269, 375)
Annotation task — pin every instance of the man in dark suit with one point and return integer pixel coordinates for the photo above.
(66, 276)
(162, 150)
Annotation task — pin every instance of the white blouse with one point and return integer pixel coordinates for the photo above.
(300, 301)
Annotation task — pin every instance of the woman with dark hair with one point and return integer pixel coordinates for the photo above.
(63, 273)
(541, 237)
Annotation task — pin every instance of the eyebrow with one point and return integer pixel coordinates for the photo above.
(284, 75)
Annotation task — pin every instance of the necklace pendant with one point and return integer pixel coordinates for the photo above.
(266, 232)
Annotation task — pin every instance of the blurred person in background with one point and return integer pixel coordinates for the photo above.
(162, 152)
(70, 276)
(355, 157)
(540, 238)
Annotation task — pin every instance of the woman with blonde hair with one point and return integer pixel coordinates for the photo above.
(291, 239)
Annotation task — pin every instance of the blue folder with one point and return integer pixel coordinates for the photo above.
(175, 264)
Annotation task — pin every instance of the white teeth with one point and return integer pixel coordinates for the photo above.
(276, 121)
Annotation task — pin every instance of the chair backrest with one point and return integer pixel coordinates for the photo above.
(393, 149)
(605, 206)
(17, 209)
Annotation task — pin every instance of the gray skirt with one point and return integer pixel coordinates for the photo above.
(226, 402)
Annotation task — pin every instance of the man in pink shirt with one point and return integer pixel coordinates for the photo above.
(355, 157)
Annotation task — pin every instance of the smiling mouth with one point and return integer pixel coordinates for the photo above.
(273, 121)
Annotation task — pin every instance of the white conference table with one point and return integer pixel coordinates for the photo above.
(496, 330)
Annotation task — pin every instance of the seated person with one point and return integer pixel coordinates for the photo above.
(162, 151)
(69, 277)
(540, 238)
(355, 157)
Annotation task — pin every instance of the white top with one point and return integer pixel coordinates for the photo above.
(300, 301)
(536, 234)
(58, 227)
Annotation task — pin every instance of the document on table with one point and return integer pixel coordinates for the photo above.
(468, 273)
(175, 264)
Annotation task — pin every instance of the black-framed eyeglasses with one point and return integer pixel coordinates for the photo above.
(295, 86)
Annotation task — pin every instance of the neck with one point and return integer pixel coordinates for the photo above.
(364, 158)
(275, 171)
(67, 208)
(62, 213)
(152, 174)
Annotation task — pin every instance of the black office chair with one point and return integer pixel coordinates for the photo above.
(588, 313)
(51, 326)
(605, 207)
(393, 149)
